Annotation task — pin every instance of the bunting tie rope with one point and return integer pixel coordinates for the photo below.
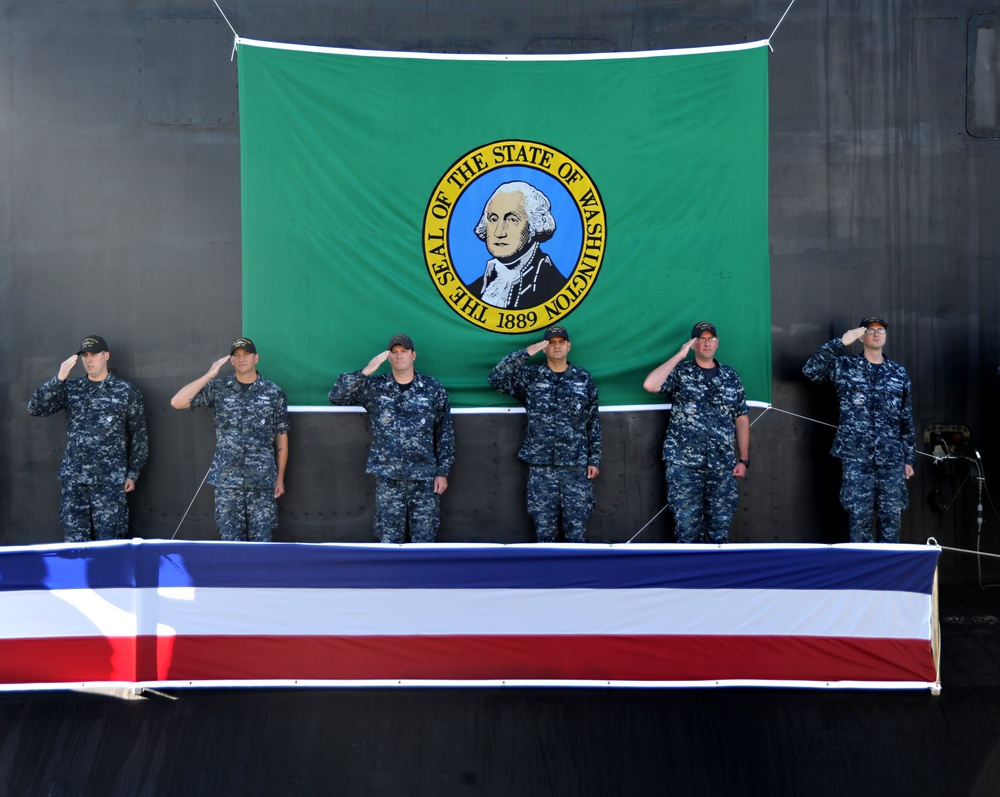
(822, 423)
(963, 550)
(184, 516)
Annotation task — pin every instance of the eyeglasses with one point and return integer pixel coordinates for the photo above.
(707, 340)
(875, 331)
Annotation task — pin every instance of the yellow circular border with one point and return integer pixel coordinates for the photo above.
(463, 173)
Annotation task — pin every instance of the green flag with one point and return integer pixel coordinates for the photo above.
(472, 202)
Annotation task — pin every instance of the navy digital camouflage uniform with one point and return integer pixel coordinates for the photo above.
(699, 449)
(413, 441)
(875, 438)
(244, 469)
(563, 439)
(106, 444)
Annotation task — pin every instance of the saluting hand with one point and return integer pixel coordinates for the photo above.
(67, 366)
(375, 362)
(214, 370)
(852, 335)
(683, 351)
(534, 348)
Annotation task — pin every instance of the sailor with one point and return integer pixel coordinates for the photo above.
(875, 441)
(251, 442)
(107, 444)
(563, 444)
(413, 441)
(709, 413)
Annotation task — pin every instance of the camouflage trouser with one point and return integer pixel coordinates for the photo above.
(555, 490)
(703, 502)
(402, 503)
(93, 512)
(874, 492)
(248, 514)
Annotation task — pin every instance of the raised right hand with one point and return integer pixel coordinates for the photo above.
(67, 366)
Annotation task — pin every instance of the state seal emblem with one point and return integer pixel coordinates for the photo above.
(514, 236)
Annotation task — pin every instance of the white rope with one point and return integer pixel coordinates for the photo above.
(640, 531)
(974, 553)
(803, 417)
(203, 478)
(835, 426)
(223, 13)
(236, 36)
(779, 25)
(768, 407)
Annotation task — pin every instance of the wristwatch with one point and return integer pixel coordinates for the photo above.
(744, 462)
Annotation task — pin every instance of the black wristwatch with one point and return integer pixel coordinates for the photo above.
(744, 462)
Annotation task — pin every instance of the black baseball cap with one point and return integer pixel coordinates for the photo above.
(868, 320)
(703, 326)
(242, 343)
(93, 343)
(556, 332)
(400, 340)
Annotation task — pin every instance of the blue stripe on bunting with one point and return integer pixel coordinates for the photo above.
(277, 565)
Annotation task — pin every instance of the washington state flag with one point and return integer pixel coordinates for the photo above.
(471, 202)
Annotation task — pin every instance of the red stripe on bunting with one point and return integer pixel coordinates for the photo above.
(467, 658)
(67, 660)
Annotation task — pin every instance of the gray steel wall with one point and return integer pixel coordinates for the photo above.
(120, 215)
